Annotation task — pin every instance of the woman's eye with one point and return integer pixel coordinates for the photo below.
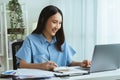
(54, 22)
(60, 23)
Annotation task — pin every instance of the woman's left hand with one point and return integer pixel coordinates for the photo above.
(85, 63)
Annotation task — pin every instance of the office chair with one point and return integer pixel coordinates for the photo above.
(15, 47)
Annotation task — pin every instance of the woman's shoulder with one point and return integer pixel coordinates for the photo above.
(32, 37)
(65, 44)
(67, 47)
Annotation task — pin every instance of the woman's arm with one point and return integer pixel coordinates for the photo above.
(45, 66)
(84, 63)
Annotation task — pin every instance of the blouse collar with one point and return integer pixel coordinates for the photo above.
(44, 40)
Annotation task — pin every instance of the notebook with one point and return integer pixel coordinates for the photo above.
(105, 57)
(69, 71)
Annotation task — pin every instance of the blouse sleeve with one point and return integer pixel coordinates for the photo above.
(70, 53)
(24, 52)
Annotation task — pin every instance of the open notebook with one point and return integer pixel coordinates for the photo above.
(69, 71)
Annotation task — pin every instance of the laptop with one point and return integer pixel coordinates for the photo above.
(105, 58)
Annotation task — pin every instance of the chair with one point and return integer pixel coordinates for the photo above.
(15, 47)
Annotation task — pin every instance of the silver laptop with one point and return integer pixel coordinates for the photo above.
(105, 57)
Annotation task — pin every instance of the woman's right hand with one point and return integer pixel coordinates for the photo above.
(49, 65)
(45, 66)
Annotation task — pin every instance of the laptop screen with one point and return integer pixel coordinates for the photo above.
(105, 57)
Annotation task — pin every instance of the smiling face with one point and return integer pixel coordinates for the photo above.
(53, 24)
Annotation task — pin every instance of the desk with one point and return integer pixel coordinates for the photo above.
(107, 75)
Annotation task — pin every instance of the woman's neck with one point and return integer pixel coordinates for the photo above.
(47, 36)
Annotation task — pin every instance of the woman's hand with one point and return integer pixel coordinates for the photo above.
(49, 65)
(85, 63)
(45, 66)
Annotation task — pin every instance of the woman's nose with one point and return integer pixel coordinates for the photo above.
(58, 26)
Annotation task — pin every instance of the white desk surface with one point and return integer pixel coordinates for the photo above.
(107, 75)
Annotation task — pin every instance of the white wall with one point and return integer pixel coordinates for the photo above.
(108, 22)
(33, 10)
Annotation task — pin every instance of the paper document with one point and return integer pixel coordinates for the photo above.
(33, 73)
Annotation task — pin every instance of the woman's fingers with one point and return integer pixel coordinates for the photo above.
(86, 63)
(53, 64)
(50, 65)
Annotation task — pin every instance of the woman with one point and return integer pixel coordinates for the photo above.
(46, 47)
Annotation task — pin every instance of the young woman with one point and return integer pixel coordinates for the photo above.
(46, 48)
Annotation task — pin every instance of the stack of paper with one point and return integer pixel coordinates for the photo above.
(33, 73)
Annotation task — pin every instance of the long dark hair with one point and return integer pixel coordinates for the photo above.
(46, 13)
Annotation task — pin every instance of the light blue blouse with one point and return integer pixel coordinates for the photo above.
(36, 47)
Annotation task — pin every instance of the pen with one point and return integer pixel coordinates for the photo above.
(44, 58)
(48, 61)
